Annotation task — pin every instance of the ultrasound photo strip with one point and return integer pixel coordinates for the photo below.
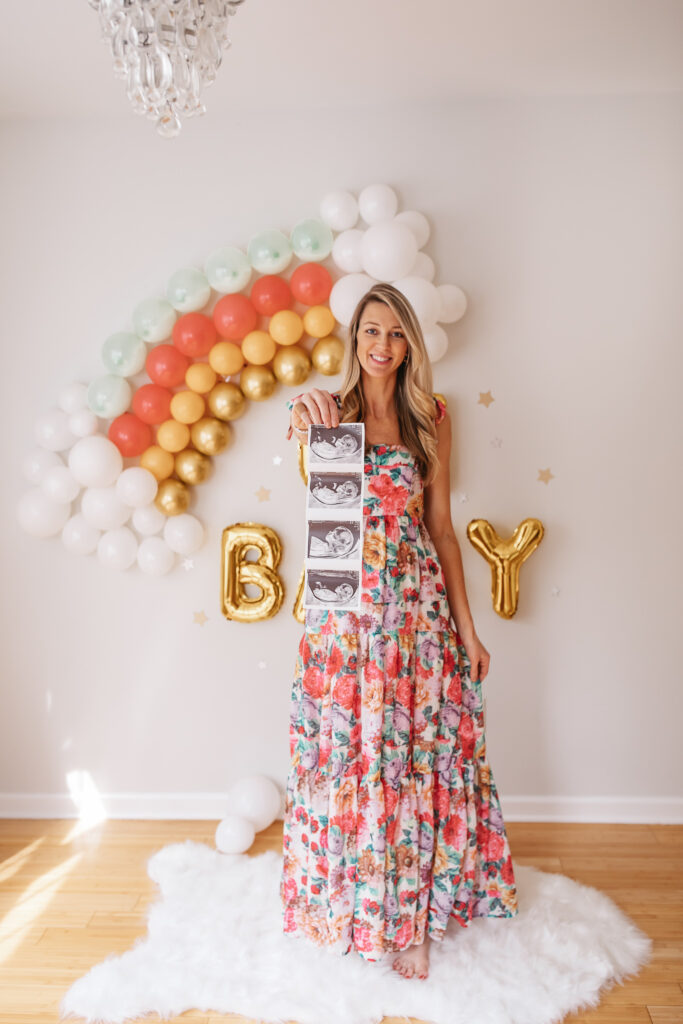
(334, 517)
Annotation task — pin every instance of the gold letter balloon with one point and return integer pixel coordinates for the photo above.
(505, 556)
(236, 572)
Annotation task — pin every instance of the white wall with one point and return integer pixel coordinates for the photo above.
(561, 219)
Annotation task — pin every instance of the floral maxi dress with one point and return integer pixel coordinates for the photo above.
(393, 823)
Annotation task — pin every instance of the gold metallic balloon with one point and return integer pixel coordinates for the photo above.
(193, 467)
(328, 355)
(257, 382)
(236, 571)
(302, 456)
(298, 611)
(292, 365)
(226, 401)
(210, 436)
(172, 497)
(505, 556)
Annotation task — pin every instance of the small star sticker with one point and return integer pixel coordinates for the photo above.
(200, 618)
(464, 497)
(262, 664)
(277, 459)
(555, 591)
(263, 494)
(485, 398)
(188, 563)
(496, 441)
(545, 475)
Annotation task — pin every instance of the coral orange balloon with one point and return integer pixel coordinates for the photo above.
(194, 334)
(167, 366)
(234, 316)
(130, 435)
(311, 284)
(270, 294)
(152, 403)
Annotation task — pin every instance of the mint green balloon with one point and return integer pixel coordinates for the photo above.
(269, 252)
(228, 270)
(311, 240)
(153, 319)
(109, 396)
(188, 290)
(124, 354)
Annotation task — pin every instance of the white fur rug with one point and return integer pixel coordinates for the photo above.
(215, 943)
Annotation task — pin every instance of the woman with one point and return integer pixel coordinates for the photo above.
(392, 823)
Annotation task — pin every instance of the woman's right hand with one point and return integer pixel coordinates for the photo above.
(314, 407)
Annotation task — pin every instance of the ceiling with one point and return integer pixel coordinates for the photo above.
(318, 53)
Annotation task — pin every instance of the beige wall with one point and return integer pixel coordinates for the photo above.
(561, 219)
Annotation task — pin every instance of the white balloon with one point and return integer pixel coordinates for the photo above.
(423, 297)
(339, 210)
(51, 431)
(436, 343)
(255, 797)
(102, 508)
(95, 461)
(73, 398)
(59, 485)
(388, 251)
(423, 267)
(453, 303)
(118, 548)
(418, 224)
(234, 834)
(79, 537)
(148, 520)
(346, 294)
(39, 516)
(37, 462)
(346, 251)
(377, 203)
(136, 486)
(154, 556)
(83, 423)
(184, 533)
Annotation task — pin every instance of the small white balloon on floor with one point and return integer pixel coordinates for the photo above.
(253, 803)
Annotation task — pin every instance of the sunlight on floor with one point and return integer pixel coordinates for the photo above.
(11, 865)
(31, 904)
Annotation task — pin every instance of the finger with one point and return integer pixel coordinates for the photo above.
(313, 410)
(321, 399)
(334, 411)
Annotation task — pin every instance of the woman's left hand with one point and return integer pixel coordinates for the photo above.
(478, 655)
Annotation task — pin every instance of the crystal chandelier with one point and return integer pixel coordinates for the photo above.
(167, 51)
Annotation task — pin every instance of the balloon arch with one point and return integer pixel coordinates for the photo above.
(117, 459)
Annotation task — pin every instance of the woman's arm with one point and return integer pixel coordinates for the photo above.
(437, 518)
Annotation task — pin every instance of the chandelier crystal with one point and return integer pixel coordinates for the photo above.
(167, 51)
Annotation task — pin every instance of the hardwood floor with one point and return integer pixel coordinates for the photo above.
(69, 898)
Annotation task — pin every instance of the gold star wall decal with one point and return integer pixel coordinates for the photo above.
(263, 494)
(545, 475)
(200, 618)
(485, 398)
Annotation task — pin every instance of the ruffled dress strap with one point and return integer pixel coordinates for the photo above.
(440, 409)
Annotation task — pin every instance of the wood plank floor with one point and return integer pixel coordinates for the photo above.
(68, 898)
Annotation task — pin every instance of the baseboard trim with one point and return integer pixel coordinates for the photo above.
(637, 810)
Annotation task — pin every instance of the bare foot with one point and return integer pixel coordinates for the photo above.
(414, 960)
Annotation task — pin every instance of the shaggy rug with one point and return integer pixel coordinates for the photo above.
(215, 942)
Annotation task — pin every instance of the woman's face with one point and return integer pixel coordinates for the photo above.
(381, 343)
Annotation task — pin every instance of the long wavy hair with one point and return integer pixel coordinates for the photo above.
(413, 395)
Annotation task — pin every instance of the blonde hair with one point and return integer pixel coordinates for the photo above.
(413, 395)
